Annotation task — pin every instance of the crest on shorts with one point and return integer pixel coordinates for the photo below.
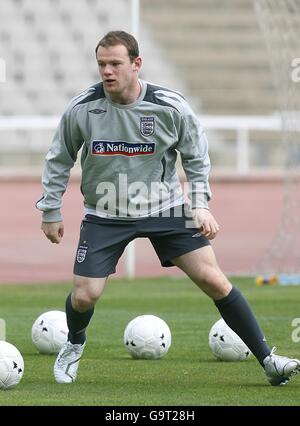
(81, 254)
(147, 125)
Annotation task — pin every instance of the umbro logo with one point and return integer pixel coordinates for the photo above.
(97, 111)
(196, 235)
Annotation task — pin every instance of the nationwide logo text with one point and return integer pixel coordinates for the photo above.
(122, 148)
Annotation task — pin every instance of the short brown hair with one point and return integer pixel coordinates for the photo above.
(113, 38)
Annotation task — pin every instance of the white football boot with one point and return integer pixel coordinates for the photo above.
(67, 362)
(280, 369)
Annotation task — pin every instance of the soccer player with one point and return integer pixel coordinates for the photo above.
(130, 132)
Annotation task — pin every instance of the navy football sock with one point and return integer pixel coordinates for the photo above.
(77, 322)
(238, 315)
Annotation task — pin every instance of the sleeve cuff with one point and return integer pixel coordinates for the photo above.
(199, 200)
(52, 216)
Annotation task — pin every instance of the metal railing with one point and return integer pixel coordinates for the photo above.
(241, 125)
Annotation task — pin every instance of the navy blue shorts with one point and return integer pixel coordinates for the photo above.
(102, 241)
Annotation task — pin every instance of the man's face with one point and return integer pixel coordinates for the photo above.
(118, 73)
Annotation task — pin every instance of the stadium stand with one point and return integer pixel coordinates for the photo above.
(48, 48)
(219, 51)
(49, 57)
(216, 46)
(212, 51)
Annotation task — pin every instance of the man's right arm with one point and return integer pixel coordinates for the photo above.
(60, 159)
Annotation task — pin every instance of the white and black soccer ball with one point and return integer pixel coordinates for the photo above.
(49, 332)
(147, 337)
(11, 365)
(225, 344)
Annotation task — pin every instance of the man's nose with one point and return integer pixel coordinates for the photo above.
(107, 69)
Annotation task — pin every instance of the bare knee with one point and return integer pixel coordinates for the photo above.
(86, 292)
(83, 300)
(214, 283)
(201, 266)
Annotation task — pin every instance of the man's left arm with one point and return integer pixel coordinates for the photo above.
(193, 147)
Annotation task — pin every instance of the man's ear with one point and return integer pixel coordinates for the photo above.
(137, 64)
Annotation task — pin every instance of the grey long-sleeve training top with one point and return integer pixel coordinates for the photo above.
(128, 154)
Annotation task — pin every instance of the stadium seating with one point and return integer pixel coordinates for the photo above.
(219, 51)
(215, 46)
(48, 47)
(212, 51)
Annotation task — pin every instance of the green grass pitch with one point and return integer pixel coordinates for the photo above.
(187, 375)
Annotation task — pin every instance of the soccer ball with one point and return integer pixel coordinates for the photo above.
(225, 344)
(11, 365)
(147, 337)
(49, 332)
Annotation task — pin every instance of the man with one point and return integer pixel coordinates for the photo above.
(130, 132)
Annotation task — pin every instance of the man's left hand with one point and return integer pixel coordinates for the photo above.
(205, 222)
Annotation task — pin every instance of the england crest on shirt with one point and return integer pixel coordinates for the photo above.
(147, 125)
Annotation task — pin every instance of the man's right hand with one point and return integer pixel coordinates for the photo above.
(54, 231)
